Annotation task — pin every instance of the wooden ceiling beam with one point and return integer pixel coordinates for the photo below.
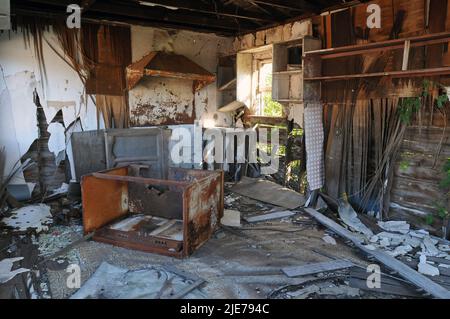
(117, 20)
(153, 14)
(195, 6)
(299, 6)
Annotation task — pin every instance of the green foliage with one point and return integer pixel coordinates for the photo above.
(408, 106)
(271, 107)
(404, 165)
(426, 87)
(443, 212)
(445, 182)
(441, 100)
(429, 219)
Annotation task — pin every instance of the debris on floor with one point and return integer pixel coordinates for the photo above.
(6, 272)
(36, 217)
(311, 269)
(231, 217)
(269, 192)
(112, 282)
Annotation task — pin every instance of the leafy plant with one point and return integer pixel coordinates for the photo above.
(408, 106)
(404, 165)
(445, 182)
(429, 219)
(441, 100)
(271, 107)
(426, 87)
(443, 212)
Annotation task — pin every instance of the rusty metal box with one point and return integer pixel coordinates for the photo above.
(172, 216)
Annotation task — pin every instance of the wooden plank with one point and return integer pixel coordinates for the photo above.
(350, 50)
(269, 192)
(315, 268)
(406, 55)
(270, 216)
(393, 74)
(404, 271)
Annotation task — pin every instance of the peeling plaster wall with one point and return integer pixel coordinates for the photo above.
(156, 101)
(64, 91)
(19, 77)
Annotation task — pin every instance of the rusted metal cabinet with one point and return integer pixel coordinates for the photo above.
(172, 216)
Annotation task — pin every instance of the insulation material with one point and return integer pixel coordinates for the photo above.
(37, 217)
(314, 138)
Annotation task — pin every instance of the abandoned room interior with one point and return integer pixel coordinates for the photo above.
(224, 149)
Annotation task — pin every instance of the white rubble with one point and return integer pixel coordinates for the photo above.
(37, 217)
(395, 226)
(425, 268)
(428, 247)
(412, 241)
(374, 239)
(400, 250)
(350, 218)
(231, 218)
(329, 240)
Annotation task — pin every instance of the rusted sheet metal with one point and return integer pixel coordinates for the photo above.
(169, 114)
(203, 209)
(156, 200)
(137, 240)
(103, 199)
(162, 64)
(194, 198)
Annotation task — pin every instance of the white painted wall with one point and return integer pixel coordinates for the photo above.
(19, 76)
(168, 96)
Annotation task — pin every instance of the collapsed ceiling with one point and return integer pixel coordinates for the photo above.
(224, 17)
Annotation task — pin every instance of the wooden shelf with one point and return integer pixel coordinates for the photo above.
(394, 74)
(299, 71)
(351, 50)
(228, 86)
(289, 101)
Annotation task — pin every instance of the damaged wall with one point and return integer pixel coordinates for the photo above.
(157, 100)
(62, 90)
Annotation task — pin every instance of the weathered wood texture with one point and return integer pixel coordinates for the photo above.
(418, 169)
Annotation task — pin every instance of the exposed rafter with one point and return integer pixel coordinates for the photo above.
(224, 17)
